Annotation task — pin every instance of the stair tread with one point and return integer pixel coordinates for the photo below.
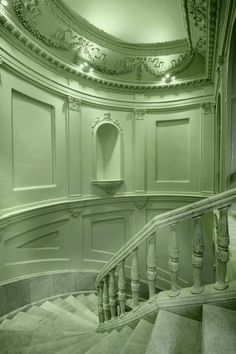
(218, 330)
(75, 302)
(112, 345)
(105, 344)
(18, 338)
(53, 346)
(175, 334)
(90, 301)
(82, 347)
(67, 316)
(139, 338)
(83, 312)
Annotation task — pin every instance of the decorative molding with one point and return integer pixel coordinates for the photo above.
(141, 202)
(144, 60)
(106, 118)
(208, 107)
(73, 103)
(139, 113)
(75, 212)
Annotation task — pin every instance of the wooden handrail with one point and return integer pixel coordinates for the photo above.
(193, 210)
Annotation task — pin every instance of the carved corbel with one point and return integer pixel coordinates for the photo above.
(139, 113)
(208, 107)
(73, 103)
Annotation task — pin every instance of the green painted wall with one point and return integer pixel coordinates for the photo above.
(52, 216)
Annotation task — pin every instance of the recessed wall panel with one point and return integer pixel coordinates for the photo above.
(108, 235)
(172, 151)
(32, 142)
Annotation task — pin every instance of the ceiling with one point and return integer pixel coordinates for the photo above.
(125, 44)
(134, 21)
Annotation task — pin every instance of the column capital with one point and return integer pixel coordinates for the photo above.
(73, 103)
(139, 113)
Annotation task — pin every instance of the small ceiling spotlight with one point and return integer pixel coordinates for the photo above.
(4, 2)
(167, 78)
(85, 67)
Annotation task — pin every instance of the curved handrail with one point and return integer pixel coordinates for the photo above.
(171, 217)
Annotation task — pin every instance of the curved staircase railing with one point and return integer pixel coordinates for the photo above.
(112, 301)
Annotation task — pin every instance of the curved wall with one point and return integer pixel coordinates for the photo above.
(52, 217)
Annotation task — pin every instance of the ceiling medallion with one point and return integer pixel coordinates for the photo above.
(86, 55)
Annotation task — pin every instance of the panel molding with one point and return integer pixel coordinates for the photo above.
(31, 100)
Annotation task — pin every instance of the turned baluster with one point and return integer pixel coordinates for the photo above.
(222, 253)
(197, 255)
(173, 261)
(113, 294)
(106, 306)
(135, 274)
(151, 265)
(121, 287)
(100, 303)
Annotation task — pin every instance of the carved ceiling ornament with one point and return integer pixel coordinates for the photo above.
(106, 118)
(145, 63)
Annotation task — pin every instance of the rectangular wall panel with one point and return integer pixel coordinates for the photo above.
(172, 151)
(32, 142)
(108, 235)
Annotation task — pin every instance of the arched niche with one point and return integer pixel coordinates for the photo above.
(108, 155)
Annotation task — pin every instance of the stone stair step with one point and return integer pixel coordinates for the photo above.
(83, 346)
(93, 302)
(218, 330)
(138, 340)
(25, 321)
(18, 339)
(113, 342)
(105, 344)
(175, 334)
(54, 346)
(72, 320)
(74, 306)
(62, 323)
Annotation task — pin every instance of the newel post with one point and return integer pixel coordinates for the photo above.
(197, 256)
(135, 274)
(122, 288)
(173, 261)
(222, 252)
(113, 294)
(151, 264)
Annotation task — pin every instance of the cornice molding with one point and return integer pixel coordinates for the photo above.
(104, 76)
(76, 207)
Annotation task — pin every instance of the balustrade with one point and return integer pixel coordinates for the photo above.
(197, 256)
(106, 305)
(113, 294)
(135, 274)
(173, 261)
(100, 303)
(151, 265)
(111, 298)
(122, 288)
(222, 252)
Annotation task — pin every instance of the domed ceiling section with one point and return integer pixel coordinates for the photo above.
(133, 44)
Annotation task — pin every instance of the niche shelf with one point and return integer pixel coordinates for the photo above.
(108, 154)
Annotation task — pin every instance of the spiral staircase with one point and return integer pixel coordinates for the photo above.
(200, 319)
